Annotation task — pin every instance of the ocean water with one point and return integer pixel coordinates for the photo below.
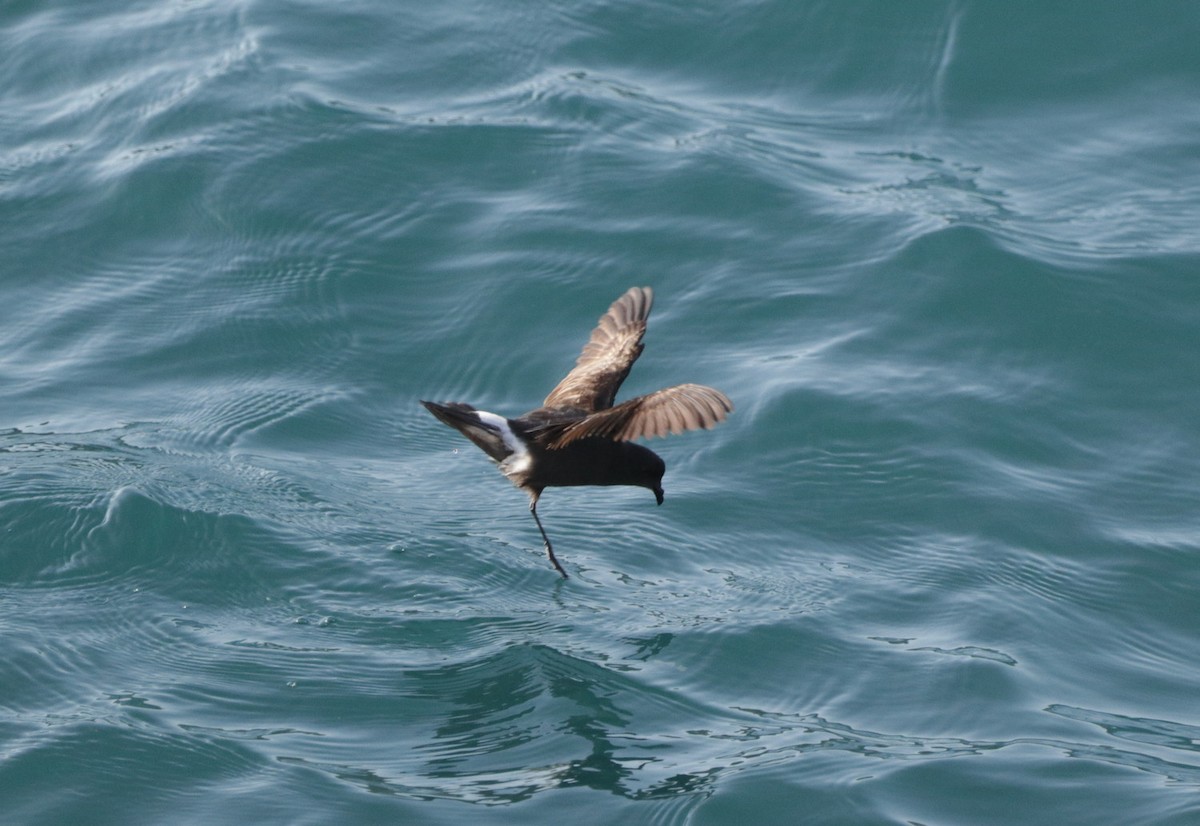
(941, 566)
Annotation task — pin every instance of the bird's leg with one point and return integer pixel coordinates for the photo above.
(533, 500)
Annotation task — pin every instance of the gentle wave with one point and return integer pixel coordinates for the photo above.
(937, 565)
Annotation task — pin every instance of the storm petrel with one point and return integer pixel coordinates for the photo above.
(578, 436)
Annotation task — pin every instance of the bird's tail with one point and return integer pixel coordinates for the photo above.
(487, 435)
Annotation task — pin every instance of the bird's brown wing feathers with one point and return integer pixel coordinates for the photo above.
(605, 361)
(673, 410)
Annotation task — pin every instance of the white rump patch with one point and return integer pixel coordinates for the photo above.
(518, 462)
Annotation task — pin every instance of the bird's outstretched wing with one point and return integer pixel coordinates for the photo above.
(605, 361)
(673, 410)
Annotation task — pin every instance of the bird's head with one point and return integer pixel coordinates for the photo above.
(652, 474)
(642, 467)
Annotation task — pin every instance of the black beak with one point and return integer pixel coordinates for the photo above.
(658, 494)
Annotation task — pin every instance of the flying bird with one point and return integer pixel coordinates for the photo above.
(579, 436)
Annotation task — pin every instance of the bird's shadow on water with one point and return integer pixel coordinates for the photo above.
(525, 720)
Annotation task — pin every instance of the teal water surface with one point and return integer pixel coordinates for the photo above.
(941, 566)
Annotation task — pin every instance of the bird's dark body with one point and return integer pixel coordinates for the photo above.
(578, 437)
(595, 461)
(590, 461)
